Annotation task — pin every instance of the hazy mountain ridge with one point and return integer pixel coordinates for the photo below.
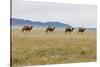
(22, 22)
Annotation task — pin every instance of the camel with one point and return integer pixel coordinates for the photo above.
(81, 30)
(50, 29)
(27, 28)
(69, 30)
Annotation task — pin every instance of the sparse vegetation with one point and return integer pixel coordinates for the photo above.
(38, 47)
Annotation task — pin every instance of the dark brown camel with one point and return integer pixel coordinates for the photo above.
(27, 28)
(50, 29)
(81, 30)
(69, 30)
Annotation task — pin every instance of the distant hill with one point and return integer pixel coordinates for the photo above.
(22, 22)
(91, 29)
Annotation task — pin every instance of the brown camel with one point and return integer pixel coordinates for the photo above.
(69, 30)
(50, 29)
(81, 30)
(27, 28)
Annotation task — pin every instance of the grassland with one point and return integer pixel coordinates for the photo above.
(37, 47)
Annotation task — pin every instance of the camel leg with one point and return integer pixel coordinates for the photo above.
(81, 32)
(65, 31)
(22, 30)
(46, 31)
(69, 32)
(78, 32)
(51, 31)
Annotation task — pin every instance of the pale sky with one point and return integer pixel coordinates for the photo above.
(72, 14)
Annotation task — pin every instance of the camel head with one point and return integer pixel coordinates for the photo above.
(31, 27)
(53, 28)
(73, 29)
(83, 29)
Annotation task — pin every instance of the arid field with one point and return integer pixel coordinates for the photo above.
(38, 47)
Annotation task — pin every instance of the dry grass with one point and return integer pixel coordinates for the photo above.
(38, 47)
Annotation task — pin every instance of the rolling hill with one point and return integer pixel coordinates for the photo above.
(22, 22)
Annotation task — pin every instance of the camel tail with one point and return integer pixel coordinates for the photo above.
(22, 30)
(78, 32)
(46, 31)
